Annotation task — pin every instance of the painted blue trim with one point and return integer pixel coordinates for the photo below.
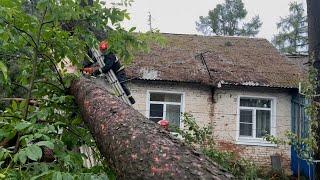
(298, 102)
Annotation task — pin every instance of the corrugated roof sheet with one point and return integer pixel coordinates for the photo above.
(230, 60)
(301, 60)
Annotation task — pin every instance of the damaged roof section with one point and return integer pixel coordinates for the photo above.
(302, 60)
(216, 60)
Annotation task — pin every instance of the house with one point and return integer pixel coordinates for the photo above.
(241, 86)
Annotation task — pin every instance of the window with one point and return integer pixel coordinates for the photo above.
(300, 120)
(255, 118)
(165, 106)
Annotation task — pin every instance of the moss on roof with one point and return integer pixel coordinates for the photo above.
(230, 60)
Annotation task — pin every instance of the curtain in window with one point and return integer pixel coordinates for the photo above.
(173, 114)
(262, 123)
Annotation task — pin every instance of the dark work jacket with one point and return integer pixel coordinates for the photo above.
(111, 62)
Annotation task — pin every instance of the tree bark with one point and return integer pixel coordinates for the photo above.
(134, 147)
(314, 56)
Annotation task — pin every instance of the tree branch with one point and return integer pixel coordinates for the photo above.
(34, 67)
(13, 56)
(21, 30)
(42, 24)
(10, 116)
(60, 79)
(17, 84)
(51, 84)
(31, 101)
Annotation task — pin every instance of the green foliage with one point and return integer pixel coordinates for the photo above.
(239, 167)
(226, 18)
(292, 37)
(304, 146)
(38, 118)
(274, 140)
(132, 42)
(194, 134)
(309, 90)
(278, 174)
(202, 136)
(4, 70)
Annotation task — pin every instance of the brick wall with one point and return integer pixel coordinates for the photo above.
(225, 129)
(223, 114)
(197, 99)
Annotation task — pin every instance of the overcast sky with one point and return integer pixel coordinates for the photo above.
(179, 16)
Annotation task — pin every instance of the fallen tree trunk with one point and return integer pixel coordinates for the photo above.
(134, 147)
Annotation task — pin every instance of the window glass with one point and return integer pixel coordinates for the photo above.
(246, 116)
(245, 129)
(246, 122)
(155, 119)
(255, 122)
(165, 97)
(156, 97)
(249, 102)
(173, 114)
(156, 110)
(165, 106)
(262, 123)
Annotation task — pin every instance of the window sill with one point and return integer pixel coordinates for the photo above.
(255, 142)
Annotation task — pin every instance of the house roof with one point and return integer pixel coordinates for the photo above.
(301, 60)
(230, 60)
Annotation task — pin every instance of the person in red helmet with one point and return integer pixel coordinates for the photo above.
(111, 62)
(103, 46)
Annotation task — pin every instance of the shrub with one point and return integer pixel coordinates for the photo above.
(202, 137)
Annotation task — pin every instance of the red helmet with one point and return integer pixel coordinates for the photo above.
(103, 46)
(164, 123)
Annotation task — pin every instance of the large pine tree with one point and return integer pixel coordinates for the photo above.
(292, 38)
(227, 19)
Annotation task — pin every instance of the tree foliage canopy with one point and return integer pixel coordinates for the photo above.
(38, 118)
(292, 37)
(226, 19)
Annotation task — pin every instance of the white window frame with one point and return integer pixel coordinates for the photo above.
(253, 140)
(148, 102)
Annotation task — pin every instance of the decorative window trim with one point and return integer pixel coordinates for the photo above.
(182, 104)
(273, 121)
